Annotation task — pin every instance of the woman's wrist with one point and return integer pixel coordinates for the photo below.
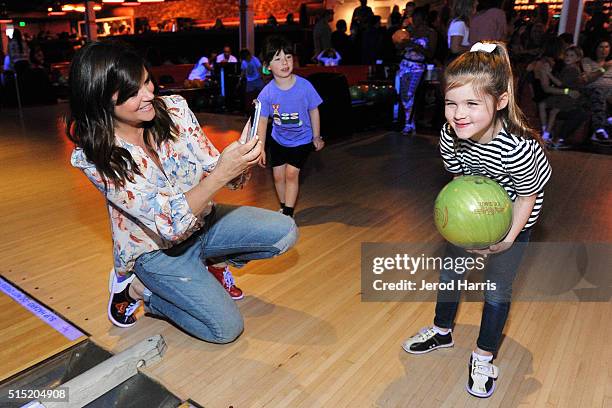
(216, 180)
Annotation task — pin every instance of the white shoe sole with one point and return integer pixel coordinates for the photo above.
(407, 349)
(110, 317)
(476, 394)
(115, 287)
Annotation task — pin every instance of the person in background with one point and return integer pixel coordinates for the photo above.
(292, 104)
(565, 94)
(329, 58)
(489, 22)
(218, 24)
(458, 33)
(342, 43)
(407, 16)
(542, 74)
(373, 42)
(418, 51)
(226, 56)
(19, 53)
(395, 19)
(360, 18)
(250, 73)
(290, 19)
(321, 33)
(598, 76)
(200, 73)
(271, 22)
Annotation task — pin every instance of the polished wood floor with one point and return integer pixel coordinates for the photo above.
(25, 339)
(309, 341)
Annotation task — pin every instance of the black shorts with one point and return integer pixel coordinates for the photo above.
(295, 156)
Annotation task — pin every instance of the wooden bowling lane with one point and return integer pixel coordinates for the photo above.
(309, 340)
(30, 333)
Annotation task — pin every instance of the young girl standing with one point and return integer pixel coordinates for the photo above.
(486, 135)
(293, 103)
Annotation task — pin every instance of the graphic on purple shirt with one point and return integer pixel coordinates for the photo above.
(289, 109)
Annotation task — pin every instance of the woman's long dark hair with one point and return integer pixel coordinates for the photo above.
(98, 71)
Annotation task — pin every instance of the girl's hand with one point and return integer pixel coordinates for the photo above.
(493, 249)
(318, 143)
(236, 158)
(262, 158)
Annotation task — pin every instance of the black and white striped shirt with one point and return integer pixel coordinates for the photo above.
(518, 165)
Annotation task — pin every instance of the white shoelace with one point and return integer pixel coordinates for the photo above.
(131, 308)
(228, 279)
(484, 368)
(425, 333)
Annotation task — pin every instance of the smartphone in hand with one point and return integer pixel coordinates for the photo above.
(254, 114)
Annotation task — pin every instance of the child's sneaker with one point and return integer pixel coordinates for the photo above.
(560, 145)
(225, 278)
(546, 136)
(427, 340)
(409, 130)
(121, 306)
(600, 135)
(481, 378)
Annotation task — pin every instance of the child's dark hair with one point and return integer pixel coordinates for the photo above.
(273, 46)
(490, 73)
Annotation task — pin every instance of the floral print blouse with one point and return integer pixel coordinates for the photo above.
(152, 212)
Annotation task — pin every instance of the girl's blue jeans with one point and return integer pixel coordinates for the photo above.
(500, 269)
(183, 291)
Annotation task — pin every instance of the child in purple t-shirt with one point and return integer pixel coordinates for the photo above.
(293, 104)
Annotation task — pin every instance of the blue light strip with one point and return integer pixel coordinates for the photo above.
(38, 310)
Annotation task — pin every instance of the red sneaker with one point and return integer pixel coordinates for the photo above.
(225, 278)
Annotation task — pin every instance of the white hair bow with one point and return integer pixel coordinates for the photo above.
(486, 47)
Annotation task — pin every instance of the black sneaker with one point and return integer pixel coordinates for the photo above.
(427, 340)
(121, 306)
(481, 378)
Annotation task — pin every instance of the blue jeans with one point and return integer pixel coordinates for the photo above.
(500, 269)
(182, 289)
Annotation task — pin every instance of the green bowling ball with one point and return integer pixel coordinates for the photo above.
(473, 212)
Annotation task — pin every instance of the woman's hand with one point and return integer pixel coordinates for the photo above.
(574, 94)
(318, 143)
(237, 158)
